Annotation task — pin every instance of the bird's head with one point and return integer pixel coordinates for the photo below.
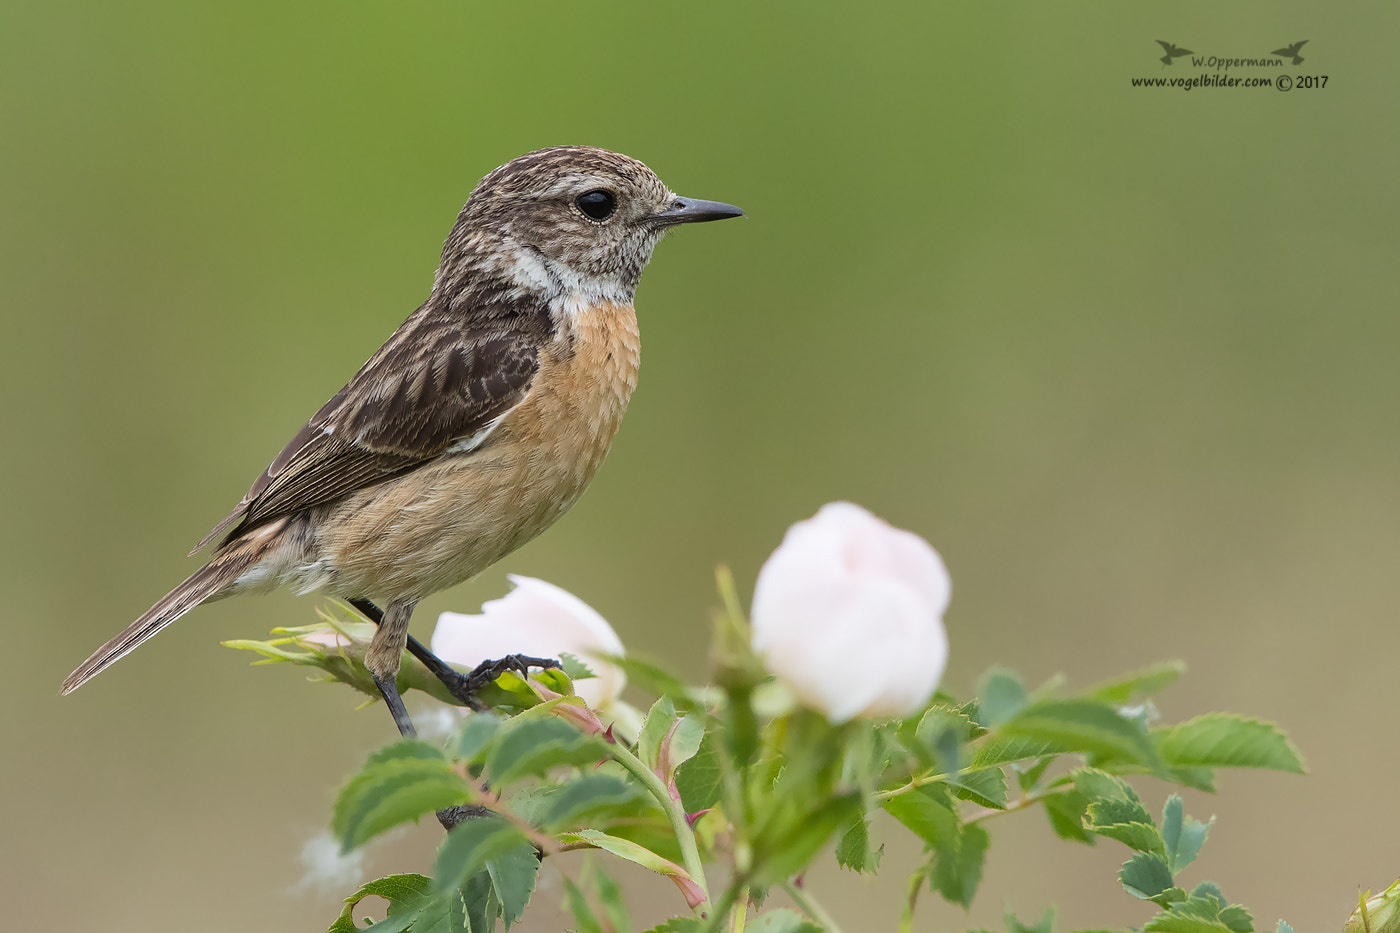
(571, 219)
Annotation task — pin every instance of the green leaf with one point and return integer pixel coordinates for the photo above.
(513, 874)
(1146, 875)
(958, 873)
(985, 787)
(1138, 684)
(1045, 924)
(782, 920)
(651, 677)
(1224, 740)
(530, 746)
(1182, 835)
(928, 811)
(660, 718)
(406, 895)
(578, 906)
(574, 667)
(397, 784)
(941, 735)
(1086, 726)
(1066, 813)
(477, 732)
(677, 925)
(1200, 778)
(1001, 749)
(1002, 695)
(583, 795)
(1201, 915)
(681, 744)
(1125, 821)
(626, 849)
(610, 899)
(699, 779)
(469, 846)
(779, 856)
(1099, 785)
(1284, 927)
(1028, 776)
(853, 849)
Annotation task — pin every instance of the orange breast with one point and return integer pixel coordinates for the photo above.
(449, 520)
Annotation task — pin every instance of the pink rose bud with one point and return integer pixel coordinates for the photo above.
(848, 615)
(540, 620)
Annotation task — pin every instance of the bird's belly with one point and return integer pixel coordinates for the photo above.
(452, 518)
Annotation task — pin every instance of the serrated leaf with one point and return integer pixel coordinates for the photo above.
(574, 667)
(1238, 918)
(1146, 875)
(513, 874)
(1045, 924)
(477, 731)
(782, 920)
(1284, 927)
(928, 811)
(1101, 819)
(957, 874)
(1002, 749)
(660, 718)
(578, 906)
(469, 846)
(610, 899)
(528, 747)
(1224, 740)
(699, 779)
(985, 787)
(1201, 778)
(941, 735)
(1198, 915)
(1086, 726)
(1001, 696)
(1182, 835)
(779, 856)
(1027, 777)
(1138, 684)
(649, 676)
(397, 784)
(1099, 785)
(640, 855)
(853, 849)
(677, 925)
(583, 795)
(406, 894)
(1066, 814)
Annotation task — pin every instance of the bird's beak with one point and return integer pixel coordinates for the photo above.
(694, 211)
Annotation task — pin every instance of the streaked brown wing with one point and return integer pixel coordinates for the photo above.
(431, 385)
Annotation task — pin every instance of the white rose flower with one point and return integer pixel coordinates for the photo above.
(848, 615)
(540, 620)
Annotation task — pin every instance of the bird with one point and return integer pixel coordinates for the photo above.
(1172, 51)
(475, 426)
(1292, 51)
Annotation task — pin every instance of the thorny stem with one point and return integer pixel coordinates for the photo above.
(685, 836)
(811, 907)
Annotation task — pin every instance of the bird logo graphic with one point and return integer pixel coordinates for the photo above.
(1173, 51)
(1292, 51)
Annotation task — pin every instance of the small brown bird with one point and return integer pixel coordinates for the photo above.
(474, 427)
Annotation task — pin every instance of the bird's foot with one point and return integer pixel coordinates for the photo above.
(466, 686)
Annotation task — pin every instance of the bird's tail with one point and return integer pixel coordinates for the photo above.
(204, 583)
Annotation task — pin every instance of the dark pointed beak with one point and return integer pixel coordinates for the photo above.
(694, 211)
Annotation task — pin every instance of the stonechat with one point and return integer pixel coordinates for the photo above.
(476, 425)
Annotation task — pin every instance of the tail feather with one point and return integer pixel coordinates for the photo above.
(204, 583)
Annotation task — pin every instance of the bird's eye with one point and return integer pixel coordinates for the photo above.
(598, 203)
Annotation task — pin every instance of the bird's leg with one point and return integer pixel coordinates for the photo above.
(383, 657)
(462, 686)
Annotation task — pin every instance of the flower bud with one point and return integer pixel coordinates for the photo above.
(1379, 914)
(848, 615)
(540, 620)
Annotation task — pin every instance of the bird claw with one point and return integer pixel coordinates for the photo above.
(464, 687)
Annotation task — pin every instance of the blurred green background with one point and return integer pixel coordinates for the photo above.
(1126, 357)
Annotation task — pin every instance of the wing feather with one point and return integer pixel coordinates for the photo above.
(433, 383)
